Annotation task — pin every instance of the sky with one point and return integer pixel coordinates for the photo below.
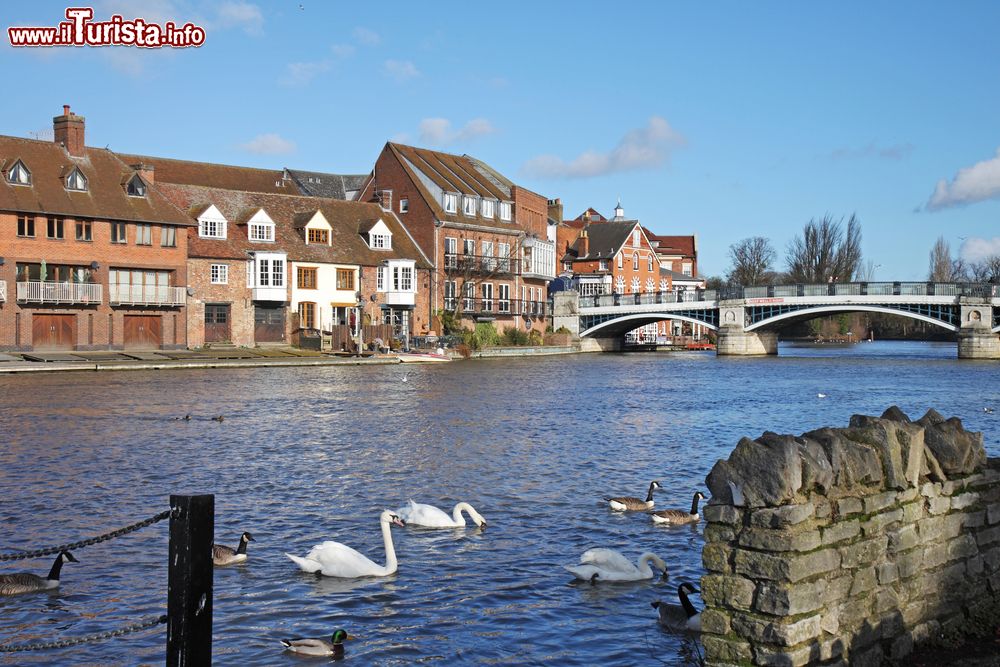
(726, 120)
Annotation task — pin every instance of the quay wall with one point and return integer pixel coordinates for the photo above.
(849, 545)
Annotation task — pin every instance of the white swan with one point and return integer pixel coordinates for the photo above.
(334, 559)
(609, 565)
(428, 516)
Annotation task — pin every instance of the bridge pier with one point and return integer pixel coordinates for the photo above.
(591, 344)
(975, 339)
(566, 312)
(734, 341)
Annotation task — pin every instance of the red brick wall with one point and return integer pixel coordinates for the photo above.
(531, 211)
(235, 293)
(419, 221)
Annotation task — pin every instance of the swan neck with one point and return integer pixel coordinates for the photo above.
(644, 564)
(390, 552)
(456, 513)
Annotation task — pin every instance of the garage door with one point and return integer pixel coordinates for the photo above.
(269, 324)
(53, 332)
(216, 322)
(143, 331)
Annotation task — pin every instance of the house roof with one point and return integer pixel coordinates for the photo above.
(679, 245)
(331, 186)
(680, 277)
(290, 213)
(229, 177)
(606, 239)
(105, 197)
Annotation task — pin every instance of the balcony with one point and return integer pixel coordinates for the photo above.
(539, 259)
(460, 264)
(496, 307)
(52, 292)
(270, 294)
(146, 295)
(3, 290)
(400, 298)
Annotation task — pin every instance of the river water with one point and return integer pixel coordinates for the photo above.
(311, 454)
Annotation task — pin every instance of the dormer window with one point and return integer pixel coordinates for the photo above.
(381, 241)
(260, 228)
(505, 211)
(76, 181)
(212, 224)
(469, 206)
(450, 203)
(319, 236)
(489, 208)
(19, 174)
(379, 236)
(136, 187)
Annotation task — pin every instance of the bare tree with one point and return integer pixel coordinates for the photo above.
(752, 260)
(943, 268)
(826, 251)
(986, 270)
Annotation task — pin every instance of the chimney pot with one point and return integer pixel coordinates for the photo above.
(65, 109)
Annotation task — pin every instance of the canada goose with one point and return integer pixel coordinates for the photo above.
(683, 618)
(25, 582)
(220, 419)
(333, 646)
(625, 503)
(680, 517)
(597, 565)
(223, 555)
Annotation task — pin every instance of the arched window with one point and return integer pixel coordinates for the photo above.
(649, 263)
(635, 286)
(620, 284)
(649, 284)
(635, 261)
(663, 284)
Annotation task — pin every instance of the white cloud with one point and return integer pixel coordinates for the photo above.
(342, 50)
(438, 131)
(640, 148)
(269, 144)
(891, 152)
(367, 37)
(972, 184)
(299, 74)
(401, 70)
(242, 15)
(975, 249)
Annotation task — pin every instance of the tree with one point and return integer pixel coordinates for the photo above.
(752, 259)
(826, 251)
(944, 269)
(986, 270)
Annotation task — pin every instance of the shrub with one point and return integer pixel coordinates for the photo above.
(563, 330)
(463, 350)
(514, 336)
(450, 323)
(487, 335)
(535, 337)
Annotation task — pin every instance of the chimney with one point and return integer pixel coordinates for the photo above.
(147, 171)
(556, 210)
(584, 245)
(68, 130)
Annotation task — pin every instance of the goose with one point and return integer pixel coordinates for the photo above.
(25, 582)
(680, 517)
(219, 419)
(223, 555)
(683, 617)
(306, 646)
(334, 559)
(626, 503)
(610, 565)
(428, 516)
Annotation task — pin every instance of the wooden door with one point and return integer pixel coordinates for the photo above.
(53, 332)
(269, 324)
(217, 323)
(143, 331)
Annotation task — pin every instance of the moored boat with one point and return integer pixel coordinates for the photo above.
(421, 357)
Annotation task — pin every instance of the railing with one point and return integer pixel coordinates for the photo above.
(485, 264)
(980, 290)
(52, 292)
(145, 295)
(675, 296)
(3, 290)
(505, 307)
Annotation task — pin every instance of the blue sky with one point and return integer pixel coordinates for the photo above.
(726, 120)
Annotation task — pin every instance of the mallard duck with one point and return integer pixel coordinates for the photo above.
(26, 582)
(680, 517)
(306, 646)
(683, 617)
(630, 503)
(223, 555)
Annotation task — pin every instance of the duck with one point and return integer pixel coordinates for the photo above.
(428, 516)
(630, 503)
(988, 410)
(821, 395)
(220, 419)
(322, 647)
(680, 517)
(683, 617)
(223, 555)
(333, 559)
(602, 564)
(26, 582)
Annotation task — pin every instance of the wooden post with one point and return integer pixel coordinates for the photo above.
(189, 581)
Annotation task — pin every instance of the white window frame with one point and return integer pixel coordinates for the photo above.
(488, 263)
(450, 290)
(76, 181)
(381, 241)
(450, 252)
(621, 259)
(635, 261)
(489, 208)
(650, 285)
(212, 228)
(636, 287)
(503, 298)
(663, 284)
(503, 255)
(603, 264)
(219, 274)
(402, 278)
(144, 234)
(487, 291)
(506, 209)
(404, 205)
(469, 205)
(450, 203)
(620, 284)
(261, 232)
(649, 263)
(380, 278)
(686, 268)
(16, 172)
(636, 238)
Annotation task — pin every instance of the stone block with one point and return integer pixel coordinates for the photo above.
(758, 565)
(887, 600)
(761, 629)
(829, 622)
(726, 514)
(832, 649)
(891, 625)
(824, 508)
(715, 621)
(924, 631)
(853, 463)
(853, 613)
(719, 649)
(840, 531)
(878, 522)
(780, 540)
(939, 505)
(836, 589)
(953, 525)
(912, 512)
(935, 555)
(785, 600)
(930, 489)
(974, 566)
(902, 646)
(863, 552)
(864, 581)
(948, 488)
(908, 495)
(887, 573)
(870, 657)
(768, 470)
(768, 656)
(993, 513)
(717, 557)
(879, 501)
(848, 506)
(974, 519)
(780, 517)
(913, 613)
(962, 546)
(909, 563)
(991, 558)
(960, 502)
(903, 538)
(882, 435)
(988, 536)
(959, 452)
(717, 532)
(720, 590)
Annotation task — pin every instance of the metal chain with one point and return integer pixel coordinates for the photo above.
(128, 629)
(38, 553)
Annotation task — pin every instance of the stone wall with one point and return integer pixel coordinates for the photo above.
(849, 545)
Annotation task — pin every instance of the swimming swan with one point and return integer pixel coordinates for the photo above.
(334, 559)
(428, 516)
(609, 565)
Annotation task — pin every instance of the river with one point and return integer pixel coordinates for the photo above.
(311, 454)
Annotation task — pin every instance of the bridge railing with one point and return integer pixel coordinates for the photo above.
(648, 298)
(981, 290)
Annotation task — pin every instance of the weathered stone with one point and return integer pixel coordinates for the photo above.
(913, 512)
(759, 565)
(908, 495)
(988, 536)
(786, 515)
(931, 468)
(974, 519)
(902, 646)
(817, 473)
(939, 505)
(864, 581)
(887, 573)
(881, 434)
(840, 531)
(850, 505)
(863, 552)
(934, 555)
(894, 414)
(837, 589)
(852, 463)
(767, 656)
(717, 532)
(853, 613)
(824, 508)
(870, 657)
(717, 557)
(785, 600)
(726, 514)
(909, 563)
(974, 566)
(931, 489)
(925, 631)
(993, 513)
(830, 622)
(887, 599)
(879, 501)
(991, 558)
(902, 538)
(962, 546)
(958, 451)
(770, 631)
(780, 540)
(831, 649)
(714, 621)
(948, 488)
(767, 470)
(912, 613)
(964, 500)
(720, 590)
(719, 649)
(878, 522)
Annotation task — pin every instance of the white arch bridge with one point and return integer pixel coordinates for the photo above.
(747, 319)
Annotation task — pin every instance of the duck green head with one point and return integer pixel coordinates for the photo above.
(341, 636)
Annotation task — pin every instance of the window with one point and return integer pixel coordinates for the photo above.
(220, 274)
(83, 230)
(307, 314)
(381, 241)
(19, 174)
(277, 273)
(144, 235)
(345, 279)
(649, 284)
(468, 296)
(168, 237)
(136, 286)
(402, 278)
(404, 205)
(26, 225)
(635, 285)
(620, 258)
(505, 211)
(319, 236)
(450, 252)
(469, 247)
(135, 187)
(668, 265)
(663, 284)
(118, 234)
(450, 203)
(211, 228)
(567, 266)
(635, 261)
(489, 208)
(635, 237)
(487, 297)
(262, 232)
(76, 181)
(649, 263)
(306, 277)
(503, 252)
(620, 284)
(603, 265)
(270, 272)
(54, 227)
(488, 263)
(380, 278)
(686, 268)
(469, 205)
(449, 294)
(504, 298)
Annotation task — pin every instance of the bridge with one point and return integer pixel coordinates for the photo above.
(747, 319)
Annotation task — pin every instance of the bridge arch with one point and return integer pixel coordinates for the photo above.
(805, 314)
(622, 325)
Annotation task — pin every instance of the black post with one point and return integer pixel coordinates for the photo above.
(189, 581)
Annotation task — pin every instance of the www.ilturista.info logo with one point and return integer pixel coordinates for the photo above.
(80, 30)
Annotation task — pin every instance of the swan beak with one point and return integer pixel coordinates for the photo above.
(397, 521)
(664, 575)
(483, 524)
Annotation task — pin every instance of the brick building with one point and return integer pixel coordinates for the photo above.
(93, 256)
(486, 237)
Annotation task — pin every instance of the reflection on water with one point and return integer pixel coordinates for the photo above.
(312, 454)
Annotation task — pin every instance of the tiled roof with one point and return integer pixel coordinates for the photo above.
(606, 238)
(207, 174)
(290, 213)
(680, 245)
(105, 197)
(679, 277)
(331, 186)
